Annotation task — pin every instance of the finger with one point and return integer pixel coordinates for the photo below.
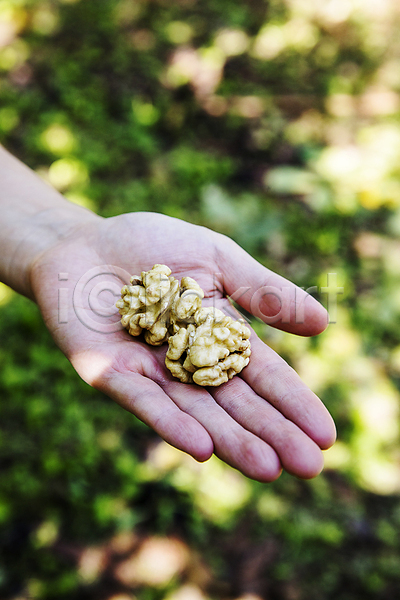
(273, 379)
(232, 443)
(267, 295)
(147, 401)
(298, 454)
(122, 381)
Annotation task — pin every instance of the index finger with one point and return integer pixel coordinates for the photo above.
(267, 295)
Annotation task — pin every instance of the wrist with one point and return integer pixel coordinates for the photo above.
(35, 218)
(51, 228)
(38, 236)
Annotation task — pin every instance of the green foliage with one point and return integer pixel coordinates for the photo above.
(276, 123)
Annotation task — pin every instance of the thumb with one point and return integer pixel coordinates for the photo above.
(267, 295)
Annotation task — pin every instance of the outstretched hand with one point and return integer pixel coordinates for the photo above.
(262, 420)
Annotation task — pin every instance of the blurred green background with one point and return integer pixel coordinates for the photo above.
(277, 123)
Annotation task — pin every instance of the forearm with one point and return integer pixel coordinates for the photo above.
(34, 217)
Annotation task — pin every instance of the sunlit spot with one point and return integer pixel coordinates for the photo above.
(46, 534)
(91, 564)
(388, 74)
(315, 371)
(301, 34)
(9, 119)
(340, 348)
(271, 507)
(296, 33)
(109, 439)
(12, 21)
(341, 105)
(328, 12)
(373, 10)
(378, 410)
(218, 490)
(269, 42)
(58, 139)
(368, 245)
(162, 458)
(338, 162)
(309, 127)
(179, 32)
(217, 206)
(123, 542)
(290, 180)
(202, 68)
(145, 113)
(335, 11)
(14, 55)
(338, 456)
(360, 171)
(45, 19)
(379, 102)
(390, 259)
(67, 172)
(183, 67)
(6, 294)
(379, 475)
(232, 42)
(215, 105)
(207, 79)
(109, 508)
(249, 107)
(187, 592)
(127, 11)
(156, 562)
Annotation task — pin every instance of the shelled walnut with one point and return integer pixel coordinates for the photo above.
(145, 304)
(205, 346)
(210, 351)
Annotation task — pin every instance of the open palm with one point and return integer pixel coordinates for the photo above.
(261, 421)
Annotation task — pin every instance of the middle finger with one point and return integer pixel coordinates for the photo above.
(233, 443)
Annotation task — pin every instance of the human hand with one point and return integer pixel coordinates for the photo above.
(262, 420)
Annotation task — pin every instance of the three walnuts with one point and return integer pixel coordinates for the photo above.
(205, 346)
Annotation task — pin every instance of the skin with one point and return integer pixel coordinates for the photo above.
(260, 422)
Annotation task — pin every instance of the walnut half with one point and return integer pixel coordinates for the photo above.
(145, 304)
(210, 351)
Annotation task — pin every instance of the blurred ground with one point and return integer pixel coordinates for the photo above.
(276, 123)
